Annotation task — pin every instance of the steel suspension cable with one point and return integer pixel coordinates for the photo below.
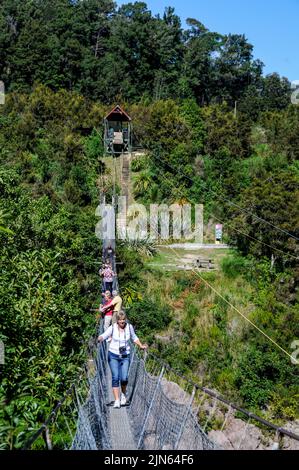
(236, 309)
(242, 315)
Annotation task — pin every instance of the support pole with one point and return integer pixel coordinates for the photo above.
(47, 439)
(185, 419)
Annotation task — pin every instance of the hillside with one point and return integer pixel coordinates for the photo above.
(65, 64)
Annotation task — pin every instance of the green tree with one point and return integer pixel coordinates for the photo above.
(235, 68)
(274, 199)
(197, 71)
(276, 92)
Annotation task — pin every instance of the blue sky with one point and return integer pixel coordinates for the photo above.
(271, 26)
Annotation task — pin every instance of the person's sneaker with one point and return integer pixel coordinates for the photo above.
(123, 399)
(116, 404)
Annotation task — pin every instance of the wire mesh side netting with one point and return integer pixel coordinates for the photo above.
(161, 411)
(92, 426)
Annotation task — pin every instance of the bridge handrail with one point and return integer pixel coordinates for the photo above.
(212, 394)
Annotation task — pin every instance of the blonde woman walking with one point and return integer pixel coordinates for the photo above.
(121, 333)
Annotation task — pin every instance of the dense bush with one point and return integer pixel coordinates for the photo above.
(233, 266)
(259, 375)
(149, 317)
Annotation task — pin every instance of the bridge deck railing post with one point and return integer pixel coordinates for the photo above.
(185, 419)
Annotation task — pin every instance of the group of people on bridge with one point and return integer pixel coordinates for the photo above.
(118, 332)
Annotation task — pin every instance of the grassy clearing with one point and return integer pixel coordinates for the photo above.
(168, 259)
(203, 328)
(184, 291)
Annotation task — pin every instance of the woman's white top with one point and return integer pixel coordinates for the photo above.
(119, 337)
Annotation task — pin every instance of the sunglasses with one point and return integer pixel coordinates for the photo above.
(121, 321)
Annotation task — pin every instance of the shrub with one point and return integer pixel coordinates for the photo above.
(148, 317)
(139, 164)
(234, 265)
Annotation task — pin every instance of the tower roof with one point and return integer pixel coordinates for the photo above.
(118, 114)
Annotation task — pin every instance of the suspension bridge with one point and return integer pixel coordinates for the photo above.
(164, 410)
